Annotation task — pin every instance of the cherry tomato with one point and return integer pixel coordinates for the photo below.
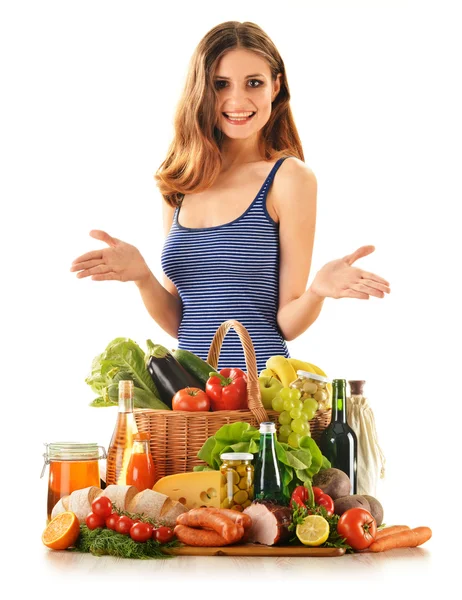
(124, 525)
(358, 527)
(163, 534)
(93, 521)
(102, 506)
(190, 398)
(141, 532)
(111, 521)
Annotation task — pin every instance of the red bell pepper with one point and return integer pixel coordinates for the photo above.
(301, 497)
(227, 390)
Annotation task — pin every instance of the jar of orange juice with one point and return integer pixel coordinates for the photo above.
(73, 466)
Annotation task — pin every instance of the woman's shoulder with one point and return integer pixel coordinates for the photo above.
(296, 170)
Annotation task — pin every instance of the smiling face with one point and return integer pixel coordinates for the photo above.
(245, 91)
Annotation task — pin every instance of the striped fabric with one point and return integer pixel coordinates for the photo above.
(228, 272)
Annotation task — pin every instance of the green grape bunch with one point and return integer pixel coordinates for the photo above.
(294, 416)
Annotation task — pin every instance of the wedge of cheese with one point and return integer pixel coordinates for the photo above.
(195, 489)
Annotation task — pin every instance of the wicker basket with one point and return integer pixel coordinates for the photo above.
(177, 436)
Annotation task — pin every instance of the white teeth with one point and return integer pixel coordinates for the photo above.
(238, 115)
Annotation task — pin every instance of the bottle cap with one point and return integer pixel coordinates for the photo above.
(267, 427)
(141, 435)
(313, 376)
(236, 456)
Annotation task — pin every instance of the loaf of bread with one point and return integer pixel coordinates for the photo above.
(148, 503)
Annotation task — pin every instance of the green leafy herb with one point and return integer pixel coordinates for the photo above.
(100, 542)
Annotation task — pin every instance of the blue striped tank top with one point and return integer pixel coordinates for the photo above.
(230, 271)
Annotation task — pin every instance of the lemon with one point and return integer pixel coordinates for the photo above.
(314, 530)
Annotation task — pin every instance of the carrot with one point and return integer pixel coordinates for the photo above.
(389, 530)
(402, 539)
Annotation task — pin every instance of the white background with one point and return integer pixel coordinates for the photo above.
(88, 96)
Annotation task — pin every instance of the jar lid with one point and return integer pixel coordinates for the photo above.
(236, 456)
(313, 376)
(72, 451)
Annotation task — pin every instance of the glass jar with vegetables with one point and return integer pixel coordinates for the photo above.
(237, 480)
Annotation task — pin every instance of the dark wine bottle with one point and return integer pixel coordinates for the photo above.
(267, 477)
(338, 441)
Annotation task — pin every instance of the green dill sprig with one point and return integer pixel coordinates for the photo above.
(101, 542)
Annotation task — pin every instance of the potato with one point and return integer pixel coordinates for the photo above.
(333, 482)
(376, 509)
(344, 503)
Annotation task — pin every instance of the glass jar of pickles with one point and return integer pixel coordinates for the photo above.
(237, 475)
(315, 387)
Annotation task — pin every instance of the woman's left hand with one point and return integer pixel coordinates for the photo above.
(339, 279)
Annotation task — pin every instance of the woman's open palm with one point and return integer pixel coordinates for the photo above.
(119, 262)
(339, 279)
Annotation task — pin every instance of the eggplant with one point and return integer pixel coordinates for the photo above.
(167, 373)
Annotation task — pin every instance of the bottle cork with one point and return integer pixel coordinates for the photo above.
(357, 387)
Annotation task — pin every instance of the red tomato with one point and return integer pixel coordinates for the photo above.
(163, 534)
(102, 506)
(141, 532)
(358, 527)
(192, 399)
(111, 521)
(93, 521)
(124, 525)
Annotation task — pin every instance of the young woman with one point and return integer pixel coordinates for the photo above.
(239, 211)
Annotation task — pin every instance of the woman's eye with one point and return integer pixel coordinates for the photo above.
(222, 81)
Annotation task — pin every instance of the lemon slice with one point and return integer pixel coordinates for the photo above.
(314, 530)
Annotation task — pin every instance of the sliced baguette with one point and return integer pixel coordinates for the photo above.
(80, 501)
(120, 495)
(148, 503)
(170, 511)
(61, 506)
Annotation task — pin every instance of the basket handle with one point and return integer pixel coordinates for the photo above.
(253, 386)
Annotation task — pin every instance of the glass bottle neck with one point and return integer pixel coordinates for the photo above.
(140, 447)
(339, 401)
(125, 403)
(267, 441)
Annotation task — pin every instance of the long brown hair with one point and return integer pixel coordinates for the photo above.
(193, 160)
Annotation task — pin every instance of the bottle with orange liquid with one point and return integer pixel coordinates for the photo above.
(72, 466)
(120, 447)
(141, 470)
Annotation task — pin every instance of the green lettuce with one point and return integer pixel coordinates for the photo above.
(121, 360)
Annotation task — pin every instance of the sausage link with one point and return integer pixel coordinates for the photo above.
(235, 516)
(198, 537)
(203, 517)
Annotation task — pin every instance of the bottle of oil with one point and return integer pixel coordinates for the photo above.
(120, 448)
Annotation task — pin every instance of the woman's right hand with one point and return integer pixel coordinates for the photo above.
(119, 262)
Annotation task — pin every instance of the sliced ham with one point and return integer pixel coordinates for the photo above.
(270, 523)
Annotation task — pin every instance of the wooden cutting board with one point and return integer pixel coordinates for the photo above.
(255, 550)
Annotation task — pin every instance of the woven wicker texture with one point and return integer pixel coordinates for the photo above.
(177, 436)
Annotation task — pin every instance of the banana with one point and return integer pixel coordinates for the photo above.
(285, 372)
(268, 373)
(301, 365)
